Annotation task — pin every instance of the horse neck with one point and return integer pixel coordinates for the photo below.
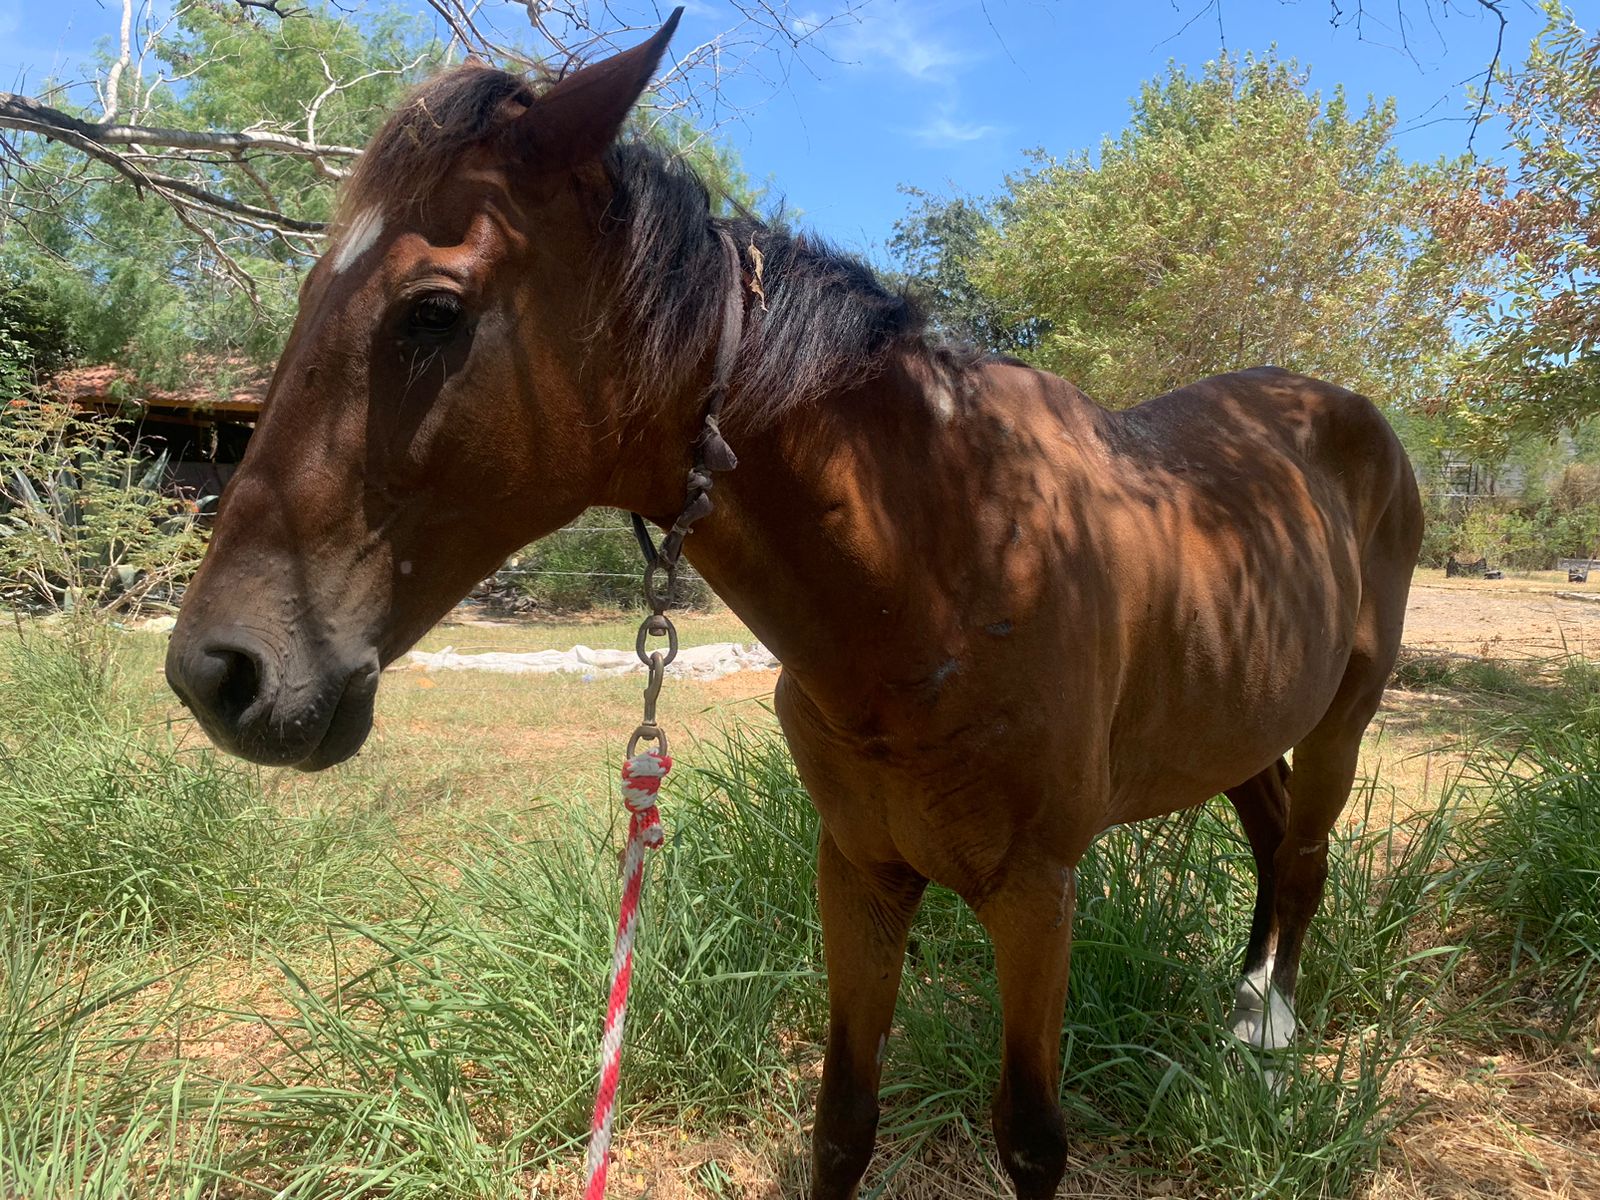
(830, 538)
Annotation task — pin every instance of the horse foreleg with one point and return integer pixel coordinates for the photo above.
(865, 916)
(1030, 922)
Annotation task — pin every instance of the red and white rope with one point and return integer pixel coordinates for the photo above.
(641, 780)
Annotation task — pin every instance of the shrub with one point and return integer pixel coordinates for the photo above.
(592, 563)
(83, 522)
(36, 336)
(1530, 534)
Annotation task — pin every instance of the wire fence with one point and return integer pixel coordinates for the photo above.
(594, 562)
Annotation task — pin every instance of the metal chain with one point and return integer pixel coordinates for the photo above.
(711, 453)
(656, 625)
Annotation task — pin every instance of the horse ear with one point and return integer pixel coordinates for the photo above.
(577, 119)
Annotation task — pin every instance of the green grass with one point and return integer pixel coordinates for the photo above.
(1163, 914)
(90, 1106)
(430, 1025)
(462, 1051)
(1530, 866)
(108, 821)
(461, 1055)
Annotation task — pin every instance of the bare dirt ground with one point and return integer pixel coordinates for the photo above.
(1524, 617)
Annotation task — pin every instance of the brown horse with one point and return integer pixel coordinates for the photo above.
(1008, 619)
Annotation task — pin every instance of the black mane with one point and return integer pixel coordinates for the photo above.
(827, 323)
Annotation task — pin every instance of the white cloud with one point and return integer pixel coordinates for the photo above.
(944, 130)
(913, 41)
(893, 38)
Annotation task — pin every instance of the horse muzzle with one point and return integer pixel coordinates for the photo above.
(260, 703)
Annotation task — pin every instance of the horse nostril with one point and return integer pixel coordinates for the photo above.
(238, 683)
(221, 680)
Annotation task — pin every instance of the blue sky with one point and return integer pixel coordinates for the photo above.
(948, 95)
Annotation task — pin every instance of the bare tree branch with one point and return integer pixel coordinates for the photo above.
(1364, 13)
(17, 112)
(271, 6)
(165, 185)
(229, 264)
(1492, 6)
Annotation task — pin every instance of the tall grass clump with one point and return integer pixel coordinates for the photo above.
(1530, 866)
(107, 819)
(455, 1051)
(1163, 914)
(457, 1047)
(91, 1105)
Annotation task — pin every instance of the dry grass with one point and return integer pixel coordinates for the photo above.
(1497, 1125)
(455, 748)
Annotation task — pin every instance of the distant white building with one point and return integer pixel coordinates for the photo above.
(1460, 477)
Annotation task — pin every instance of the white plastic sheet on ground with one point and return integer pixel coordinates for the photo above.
(693, 662)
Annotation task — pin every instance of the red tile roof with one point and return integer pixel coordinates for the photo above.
(233, 388)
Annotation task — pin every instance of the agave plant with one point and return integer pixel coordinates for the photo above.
(83, 521)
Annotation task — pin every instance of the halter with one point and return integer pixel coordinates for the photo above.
(711, 453)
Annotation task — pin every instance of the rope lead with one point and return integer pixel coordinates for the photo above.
(641, 780)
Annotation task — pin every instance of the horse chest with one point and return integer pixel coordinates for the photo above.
(950, 793)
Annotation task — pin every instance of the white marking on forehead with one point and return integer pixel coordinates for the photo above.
(358, 239)
(943, 401)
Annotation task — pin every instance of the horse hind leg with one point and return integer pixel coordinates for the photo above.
(1260, 1016)
(1313, 794)
(1324, 772)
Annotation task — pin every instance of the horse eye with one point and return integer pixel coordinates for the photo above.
(434, 318)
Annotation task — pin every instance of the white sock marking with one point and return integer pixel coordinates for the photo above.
(1262, 1016)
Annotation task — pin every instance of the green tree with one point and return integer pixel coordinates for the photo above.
(938, 243)
(1240, 219)
(152, 274)
(1536, 363)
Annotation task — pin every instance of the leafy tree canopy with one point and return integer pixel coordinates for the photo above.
(1240, 219)
(1535, 369)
